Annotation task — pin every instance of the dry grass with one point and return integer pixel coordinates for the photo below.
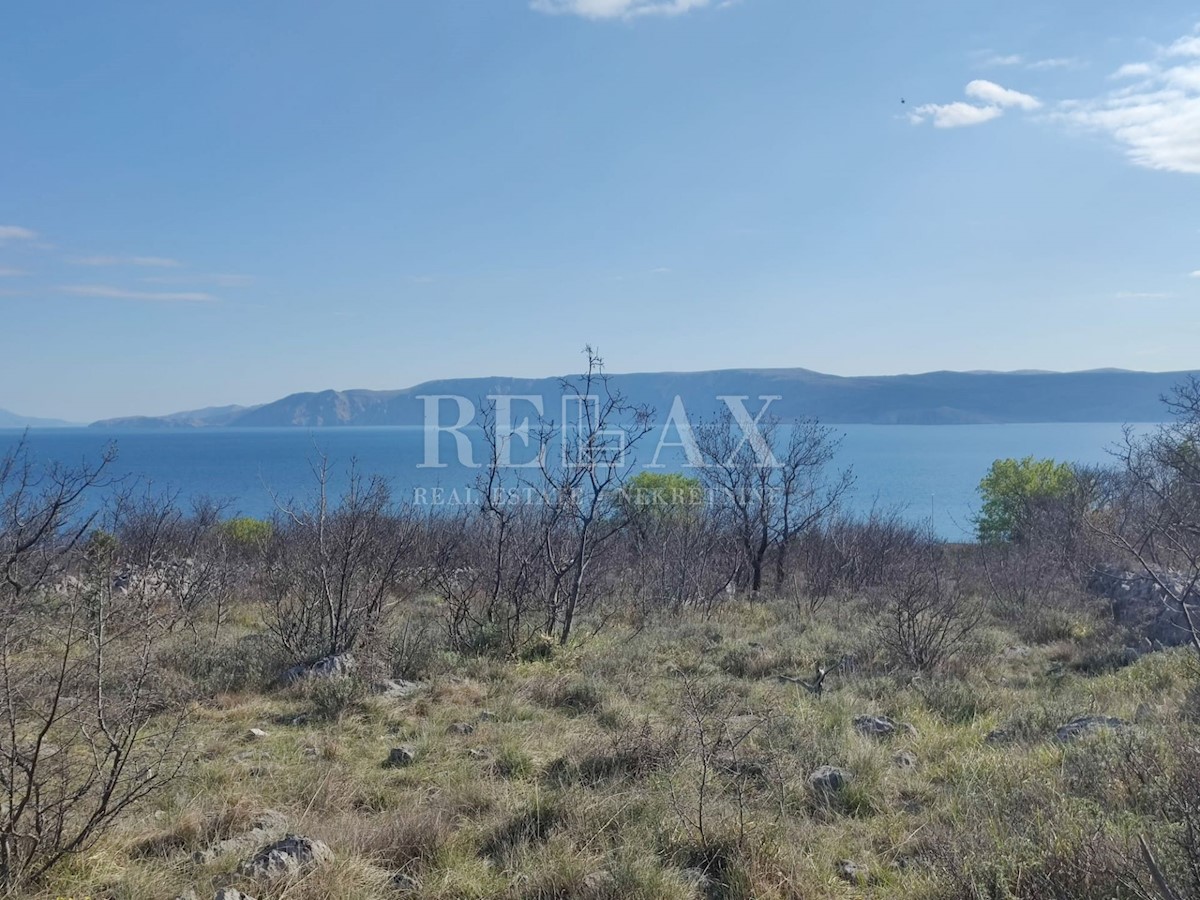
(580, 775)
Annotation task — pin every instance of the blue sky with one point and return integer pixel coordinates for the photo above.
(225, 202)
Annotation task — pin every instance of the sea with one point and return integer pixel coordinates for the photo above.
(929, 473)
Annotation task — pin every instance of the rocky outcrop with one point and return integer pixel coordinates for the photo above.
(1150, 606)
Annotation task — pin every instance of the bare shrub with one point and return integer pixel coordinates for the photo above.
(334, 567)
(845, 555)
(929, 617)
(679, 557)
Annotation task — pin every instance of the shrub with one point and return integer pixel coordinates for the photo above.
(954, 700)
(246, 533)
(929, 617)
(252, 663)
(574, 695)
(333, 697)
(1012, 491)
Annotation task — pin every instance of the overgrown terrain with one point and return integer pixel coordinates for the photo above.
(667, 759)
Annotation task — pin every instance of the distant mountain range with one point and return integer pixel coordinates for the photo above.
(15, 420)
(933, 398)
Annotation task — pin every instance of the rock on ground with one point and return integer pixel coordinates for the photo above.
(292, 855)
(829, 779)
(341, 664)
(394, 689)
(904, 759)
(1141, 603)
(267, 827)
(1088, 725)
(880, 726)
(401, 756)
(851, 871)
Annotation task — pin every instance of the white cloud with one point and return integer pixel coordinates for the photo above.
(152, 262)
(993, 100)
(954, 115)
(1185, 46)
(994, 94)
(1056, 62)
(1196, 274)
(16, 233)
(1134, 70)
(1156, 118)
(619, 9)
(1011, 60)
(113, 293)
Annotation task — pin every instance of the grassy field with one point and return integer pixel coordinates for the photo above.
(667, 759)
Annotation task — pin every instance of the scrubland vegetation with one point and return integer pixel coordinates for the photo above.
(613, 693)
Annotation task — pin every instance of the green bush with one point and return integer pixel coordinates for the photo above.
(246, 532)
(1013, 489)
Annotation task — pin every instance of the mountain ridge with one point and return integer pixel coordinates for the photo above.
(9, 419)
(940, 397)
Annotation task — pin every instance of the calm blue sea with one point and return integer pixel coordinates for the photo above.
(931, 472)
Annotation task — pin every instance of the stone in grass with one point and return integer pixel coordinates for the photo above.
(231, 894)
(339, 664)
(405, 884)
(394, 689)
(904, 759)
(1084, 725)
(399, 757)
(829, 779)
(293, 855)
(999, 737)
(880, 726)
(255, 734)
(850, 871)
(267, 826)
(461, 728)
(599, 882)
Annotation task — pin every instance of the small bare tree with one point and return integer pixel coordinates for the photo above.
(184, 560)
(714, 737)
(579, 469)
(335, 565)
(771, 486)
(84, 732)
